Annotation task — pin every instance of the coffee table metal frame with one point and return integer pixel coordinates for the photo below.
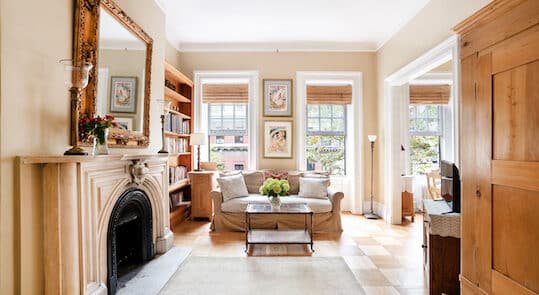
(275, 236)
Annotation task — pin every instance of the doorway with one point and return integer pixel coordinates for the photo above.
(397, 152)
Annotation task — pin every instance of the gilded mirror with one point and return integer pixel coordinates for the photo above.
(120, 81)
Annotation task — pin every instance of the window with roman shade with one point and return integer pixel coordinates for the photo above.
(430, 94)
(227, 124)
(326, 127)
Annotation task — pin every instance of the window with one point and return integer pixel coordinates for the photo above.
(425, 127)
(227, 132)
(326, 138)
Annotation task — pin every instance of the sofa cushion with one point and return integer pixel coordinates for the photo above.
(313, 187)
(253, 180)
(232, 187)
(238, 205)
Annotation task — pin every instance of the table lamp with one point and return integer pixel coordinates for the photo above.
(198, 139)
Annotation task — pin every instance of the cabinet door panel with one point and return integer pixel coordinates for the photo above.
(516, 113)
(516, 235)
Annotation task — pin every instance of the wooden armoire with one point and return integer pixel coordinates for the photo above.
(499, 148)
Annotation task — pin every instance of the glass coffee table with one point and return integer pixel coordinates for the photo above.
(275, 236)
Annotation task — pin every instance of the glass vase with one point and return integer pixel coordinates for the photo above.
(275, 203)
(100, 142)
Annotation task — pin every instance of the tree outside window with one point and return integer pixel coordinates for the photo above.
(326, 138)
(425, 131)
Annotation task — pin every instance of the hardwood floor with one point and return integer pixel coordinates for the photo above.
(386, 259)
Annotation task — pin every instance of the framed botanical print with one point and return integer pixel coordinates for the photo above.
(123, 94)
(277, 98)
(278, 139)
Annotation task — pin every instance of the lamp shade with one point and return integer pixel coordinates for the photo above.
(198, 139)
(372, 137)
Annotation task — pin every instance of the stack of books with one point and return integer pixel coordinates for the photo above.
(176, 145)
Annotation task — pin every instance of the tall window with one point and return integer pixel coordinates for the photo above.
(425, 132)
(228, 135)
(326, 138)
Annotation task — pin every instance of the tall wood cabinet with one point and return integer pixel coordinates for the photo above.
(499, 151)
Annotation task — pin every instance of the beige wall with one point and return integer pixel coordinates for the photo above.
(431, 26)
(284, 65)
(172, 56)
(35, 114)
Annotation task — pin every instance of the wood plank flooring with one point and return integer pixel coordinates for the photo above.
(386, 259)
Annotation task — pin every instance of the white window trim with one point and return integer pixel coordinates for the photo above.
(394, 121)
(354, 155)
(201, 115)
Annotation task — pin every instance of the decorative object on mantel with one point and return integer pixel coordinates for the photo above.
(98, 128)
(274, 189)
(166, 108)
(371, 214)
(76, 78)
(198, 139)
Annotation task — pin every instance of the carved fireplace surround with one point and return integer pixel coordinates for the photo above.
(79, 194)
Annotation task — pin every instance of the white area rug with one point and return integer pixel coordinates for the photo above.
(263, 275)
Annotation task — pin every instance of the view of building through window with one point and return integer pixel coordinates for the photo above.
(228, 135)
(326, 138)
(425, 132)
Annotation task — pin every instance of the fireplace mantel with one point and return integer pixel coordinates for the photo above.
(79, 193)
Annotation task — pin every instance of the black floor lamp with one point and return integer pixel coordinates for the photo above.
(371, 215)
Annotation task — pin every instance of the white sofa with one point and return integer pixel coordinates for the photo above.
(230, 215)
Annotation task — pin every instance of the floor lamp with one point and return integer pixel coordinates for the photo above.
(371, 215)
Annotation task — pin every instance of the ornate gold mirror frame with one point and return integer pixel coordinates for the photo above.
(86, 48)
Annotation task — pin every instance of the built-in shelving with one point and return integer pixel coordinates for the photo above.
(180, 94)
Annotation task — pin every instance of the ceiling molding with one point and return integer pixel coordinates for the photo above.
(278, 47)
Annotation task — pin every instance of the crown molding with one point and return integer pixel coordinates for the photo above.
(302, 46)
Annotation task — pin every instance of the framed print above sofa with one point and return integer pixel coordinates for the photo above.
(278, 139)
(277, 98)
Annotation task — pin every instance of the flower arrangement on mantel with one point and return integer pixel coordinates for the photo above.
(275, 188)
(97, 128)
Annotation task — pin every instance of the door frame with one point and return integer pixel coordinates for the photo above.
(395, 122)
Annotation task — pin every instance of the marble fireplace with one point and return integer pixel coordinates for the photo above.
(102, 216)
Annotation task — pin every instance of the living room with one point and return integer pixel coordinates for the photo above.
(232, 153)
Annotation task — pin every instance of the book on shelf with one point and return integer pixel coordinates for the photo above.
(179, 198)
(176, 145)
(177, 124)
(176, 174)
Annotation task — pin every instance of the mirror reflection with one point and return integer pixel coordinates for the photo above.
(121, 69)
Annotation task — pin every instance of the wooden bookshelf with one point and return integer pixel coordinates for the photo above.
(179, 92)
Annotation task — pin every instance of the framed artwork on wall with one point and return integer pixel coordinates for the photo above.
(124, 123)
(278, 139)
(123, 94)
(277, 98)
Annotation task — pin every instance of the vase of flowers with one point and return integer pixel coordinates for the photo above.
(274, 189)
(98, 128)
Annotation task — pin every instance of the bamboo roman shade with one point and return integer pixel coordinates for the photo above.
(329, 94)
(223, 93)
(429, 94)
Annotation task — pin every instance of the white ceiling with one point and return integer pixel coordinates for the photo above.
(285, 25)
(114, 35)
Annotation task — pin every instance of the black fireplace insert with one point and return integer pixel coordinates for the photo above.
(129, 238)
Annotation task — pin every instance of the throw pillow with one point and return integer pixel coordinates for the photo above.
(232, 187)
(253, 180)
(313, 187)
(282, 175)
